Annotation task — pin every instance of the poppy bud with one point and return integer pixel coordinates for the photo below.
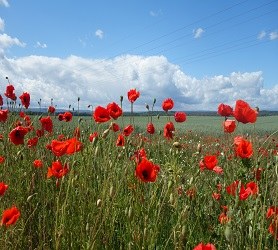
(199, 148)
(176, 144)
(130, 212)
(96, 151)
(111, 191)
(105, 133)
(87, 227)
(171, 199)
(121, 98)
(147, 107)
(98, 202)
(154, 101)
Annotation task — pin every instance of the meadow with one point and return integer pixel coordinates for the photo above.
(72, 188)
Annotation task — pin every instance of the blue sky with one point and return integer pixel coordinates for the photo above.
(200, 53)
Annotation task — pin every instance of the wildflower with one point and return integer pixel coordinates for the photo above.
(273, 228)
(243, 148)
(120, 140)
(150, 128)
(167, 104)
(60, 117)
(210, 161)
(10, 216)
(132, 95)
(180, 117)
(216, 196)
(51, 110)
(225, 110)
(232, 188)
(57, 170)
(67, 116)
(4, 115)
(101, 114)
(114, 110)
(272, 212)
(32, 142)
(139, 155)
(128, 130)
(47, 124)
(3, 188)
(17, 135)
(93, 136)
(229, 126)
(37, 163)
(169, 128)
(25, 99)
(10, 92)
(250, 188)
(202, 246)
(69, 146)
(2, 159)
(244, 113)
(115, 127)
(146, 171)
(223, 217)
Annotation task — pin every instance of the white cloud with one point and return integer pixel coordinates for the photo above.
(261, 35)
(4, 3)
(2, 24)
(198, 32)
(6, 42)
(273, 35)
(99, 82)
(40, 45)
(155, 13)
(99, 33)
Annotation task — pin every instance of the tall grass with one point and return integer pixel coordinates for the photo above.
(100, 204)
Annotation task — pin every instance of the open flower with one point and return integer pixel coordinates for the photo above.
(229, 126)
(146, 171)
(132, 95)
(167, 104)
(10, 92)
(225, 110)
(3, 188)
(4, 115)
(10, 216)
(57, 170)
(25, 99)
(180, 117)
(17, 135)
(150, 128)
(101, 114)
(47, 124)
(244, 113)
(168, 131)
(114, 110)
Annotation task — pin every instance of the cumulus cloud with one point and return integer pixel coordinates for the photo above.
(2, 24)
(99, 33)
(261, 35)
(40, 45)
(273, 35)
(198, 32)
(6, 42)
(98, 82)
(4, 3)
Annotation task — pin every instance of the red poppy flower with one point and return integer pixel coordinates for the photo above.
(4, 115)
(223, 217)
(169, 128)
(1, 100)
(146, 171)
(25, 99)
(47, 124)
(128, 130)
(243, 148)
(216, 196)
(10, 92)
(60, 117)
(250, 188)
(37, 163)
(93, 136)
(101, 114)
(115, 127)
(180, 117)
(69, 146)
(32, 142)
(2, 159)
(272, 212)
(3, 188)
(40, 132)
(120, 141)
(202, 246)
(150, 128)
(10, 216)
(244, 113)
(67, 116)
(57, 170)
(51, 110)
(231, 189)
(17, 135)
(273, 228)
(229, 126)
(225, 110)
(210, 161)
(167, 104)
(114, 110)
(132, 95)
(139, 155)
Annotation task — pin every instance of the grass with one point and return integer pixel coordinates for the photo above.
(100, 204)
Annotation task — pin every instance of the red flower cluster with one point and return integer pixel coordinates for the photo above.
(103, 114)
(251, 188)
(67, 116)
(68, 147)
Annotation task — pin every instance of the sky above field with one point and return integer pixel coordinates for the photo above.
(199, 53)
